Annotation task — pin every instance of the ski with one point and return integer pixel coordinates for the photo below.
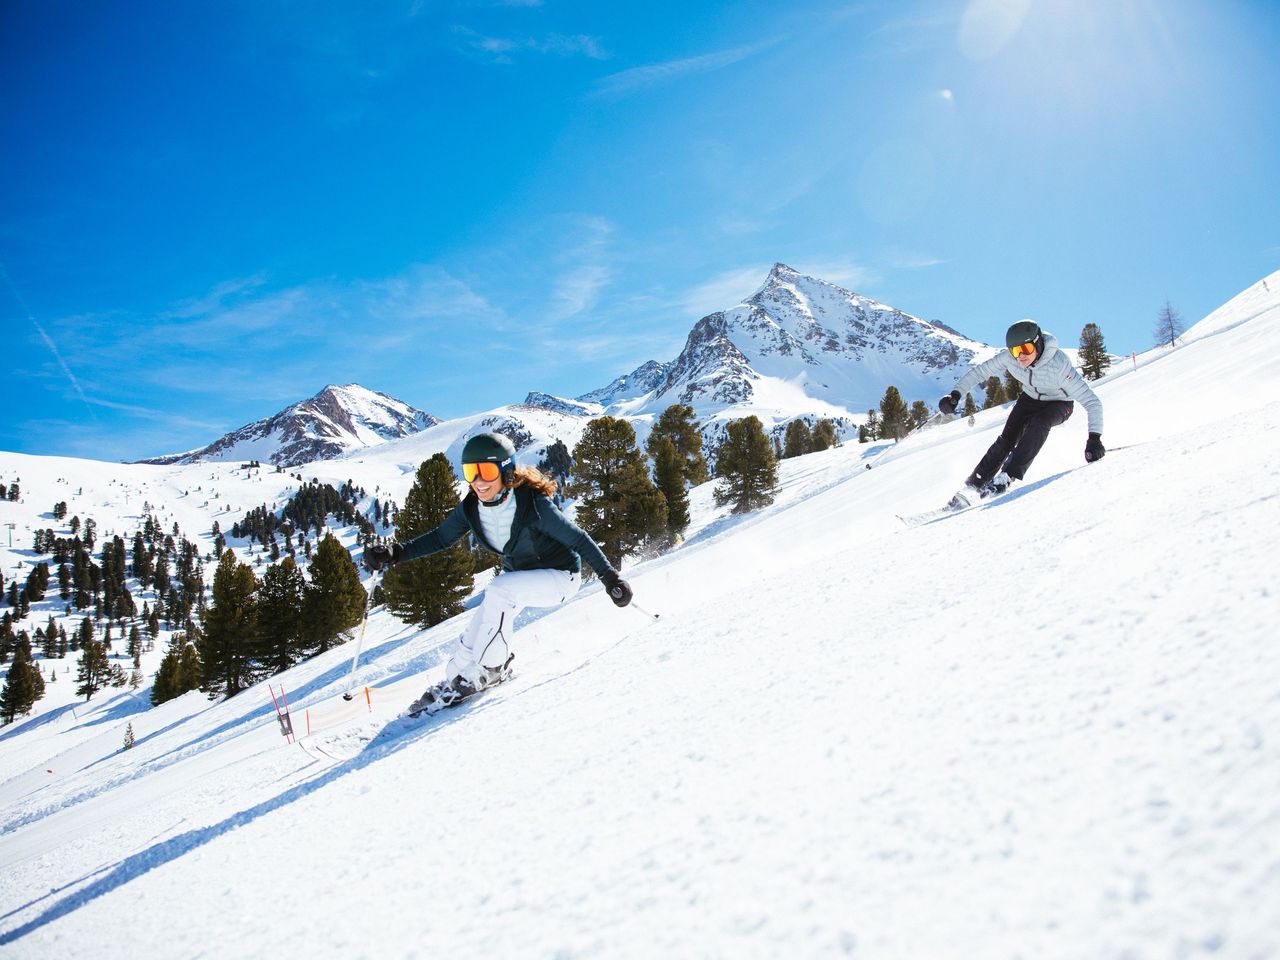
(445, 698)
(963, 501)
(447, 693)
(966, 498)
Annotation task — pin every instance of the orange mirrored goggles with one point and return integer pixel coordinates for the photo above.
(1023, 350)
(487, 472)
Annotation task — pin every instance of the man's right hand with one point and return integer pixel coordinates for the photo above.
(949, 403)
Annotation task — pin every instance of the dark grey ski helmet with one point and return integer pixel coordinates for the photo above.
(1024, 331)
(491, 448)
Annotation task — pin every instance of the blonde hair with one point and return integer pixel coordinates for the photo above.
(535, 480)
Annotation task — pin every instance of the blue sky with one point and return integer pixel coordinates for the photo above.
(209, 211)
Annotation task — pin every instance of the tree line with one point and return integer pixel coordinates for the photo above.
(254, 628)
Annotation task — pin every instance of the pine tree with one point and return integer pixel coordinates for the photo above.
(1094, 359)
(678, 424)
(431, 590)
(557, 463)
(18, 695)
(1169, 326)
(873, 425)
(618, 505)
(669, 477)
(129, 738)
(135, 645)
(894, 416)
(995, 393)
(229, 638)
(824, 435)
(93, 672)
(799, 440)
(85, 633)
(1012, 387)
(179, 671)
(281, 601)
(335, 597)
(919, 414)
(970, 408)
(746, 466)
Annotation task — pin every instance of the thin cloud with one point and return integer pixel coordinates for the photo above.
(579, 289)
(48, 341)
(503, 50)
(851, 276)
(900, 258)
(724, 291)
(288, 329)
(587, 271)
(642, 78)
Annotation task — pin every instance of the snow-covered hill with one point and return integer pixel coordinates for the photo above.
(336, 420)
(1043, 728)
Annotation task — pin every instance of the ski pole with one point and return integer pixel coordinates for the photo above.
(368, 602)
(642, 611)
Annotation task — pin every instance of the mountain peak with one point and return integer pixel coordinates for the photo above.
(337, 420)
(799, 346)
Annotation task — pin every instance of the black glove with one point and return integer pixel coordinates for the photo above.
(379, 557)
(618, 589)
(949, 403)
(1094, 450)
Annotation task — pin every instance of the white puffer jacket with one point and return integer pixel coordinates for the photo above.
(1051, 377)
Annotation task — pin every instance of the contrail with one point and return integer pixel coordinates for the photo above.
(48, 341)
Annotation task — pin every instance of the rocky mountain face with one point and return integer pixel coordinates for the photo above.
(335, 421)
(835, 345)
(643, 380)
(799, 347)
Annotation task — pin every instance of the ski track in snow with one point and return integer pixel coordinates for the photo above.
(1043, 729)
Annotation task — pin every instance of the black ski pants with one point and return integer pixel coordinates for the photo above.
(1023, 435)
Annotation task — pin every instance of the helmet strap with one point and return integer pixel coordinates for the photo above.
(497, 501)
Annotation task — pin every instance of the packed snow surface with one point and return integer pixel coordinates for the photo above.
(1048, 727)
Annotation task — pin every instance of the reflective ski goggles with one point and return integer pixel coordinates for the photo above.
(1023, 350)
(487, 472)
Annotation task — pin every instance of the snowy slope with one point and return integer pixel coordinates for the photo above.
(1044, 728)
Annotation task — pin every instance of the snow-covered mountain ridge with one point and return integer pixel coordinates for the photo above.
(837, 727)
(335, 421)
(797, 348)
(803, 337)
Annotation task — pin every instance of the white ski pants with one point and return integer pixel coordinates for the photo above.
(487, 640)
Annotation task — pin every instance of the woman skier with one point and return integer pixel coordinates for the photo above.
(509, 511)
(1050, 385)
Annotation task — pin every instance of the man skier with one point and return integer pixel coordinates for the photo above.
(1050, 385)
(509, 511)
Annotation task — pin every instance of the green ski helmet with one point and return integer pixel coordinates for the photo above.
(1025, 331)
(492, 448)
